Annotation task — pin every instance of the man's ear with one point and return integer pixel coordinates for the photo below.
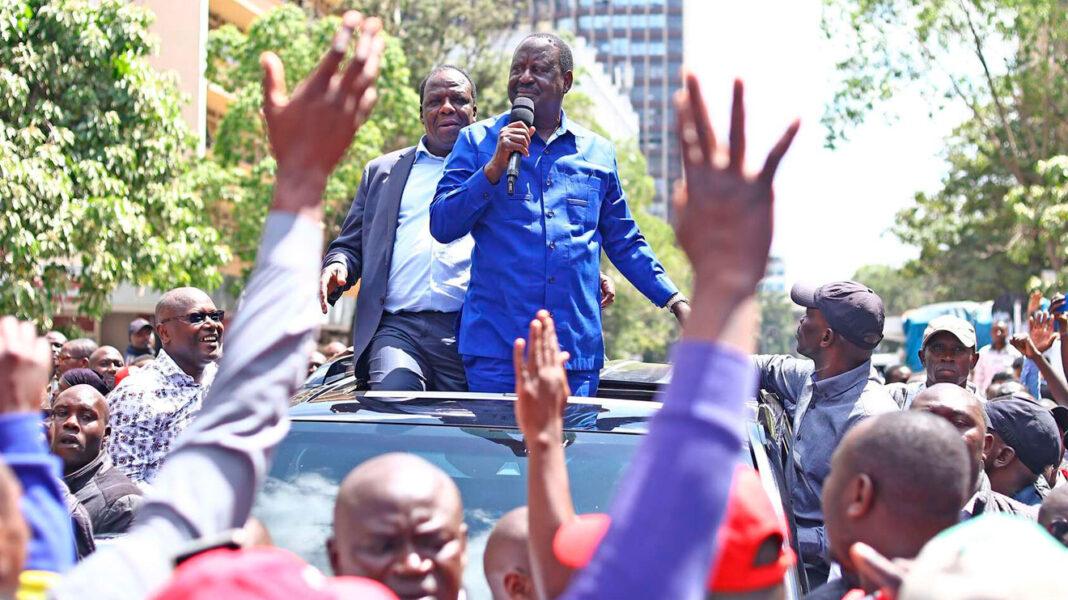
(861, 496)
(331, 553)
(569, 80)
(988, 445)
(163, 335)
(975, 359)
(1003, 456)
(922, 361)
(828, 337)
(474, 112)
(517, 585)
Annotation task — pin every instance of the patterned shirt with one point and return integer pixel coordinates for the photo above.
(148, 410)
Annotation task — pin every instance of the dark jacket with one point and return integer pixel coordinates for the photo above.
(365, 244)
(110, 498)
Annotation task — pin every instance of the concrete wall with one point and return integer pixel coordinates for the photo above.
(182, 28)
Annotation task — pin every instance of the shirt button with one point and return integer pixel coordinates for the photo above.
(552, 245)
(549, 182)
(550, 214)
(552, 280)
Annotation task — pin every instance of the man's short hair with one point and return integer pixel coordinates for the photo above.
(567, 61)
(445, 67)
(918, 462)
(80, 348)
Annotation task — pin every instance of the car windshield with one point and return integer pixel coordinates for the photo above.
(488, 464)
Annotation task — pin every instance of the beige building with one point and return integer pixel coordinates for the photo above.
(182, 27)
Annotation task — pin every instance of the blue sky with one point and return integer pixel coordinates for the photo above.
(834, 208)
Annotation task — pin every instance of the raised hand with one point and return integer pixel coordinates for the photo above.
(334, 275)
(310, 130)
(724, 214)
(1023, 343)
(541, 387)
(1041, 330)
(25, 363)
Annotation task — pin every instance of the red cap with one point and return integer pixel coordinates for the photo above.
(749, 522)
(263, 573)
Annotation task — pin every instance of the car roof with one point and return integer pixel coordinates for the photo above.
(340, 398)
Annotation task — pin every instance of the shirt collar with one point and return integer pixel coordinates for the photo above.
(565, 125)
(422, 153)
(839, 384)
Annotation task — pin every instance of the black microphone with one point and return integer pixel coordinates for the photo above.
(522, 111)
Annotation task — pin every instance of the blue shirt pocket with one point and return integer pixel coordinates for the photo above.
(584, 204)
(516, 208)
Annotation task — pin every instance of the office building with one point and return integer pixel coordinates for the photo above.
(640, 45)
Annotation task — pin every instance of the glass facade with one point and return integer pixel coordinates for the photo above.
(643, 39)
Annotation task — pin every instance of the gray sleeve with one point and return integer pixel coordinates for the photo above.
(783, 375)
(208, 482)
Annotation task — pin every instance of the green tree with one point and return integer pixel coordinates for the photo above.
(239, 173)
(467, 33)
(633, 327)
(1004, 62)
(778, 324)
(93, 152)
(900, 288)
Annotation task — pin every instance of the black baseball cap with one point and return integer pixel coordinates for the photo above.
(851, 309)
(1029, 429)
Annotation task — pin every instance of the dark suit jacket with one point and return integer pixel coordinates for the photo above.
(365, 244)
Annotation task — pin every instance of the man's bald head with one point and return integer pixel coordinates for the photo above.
(506, 561)
(896, 480)
(961, 409)
(179, 301)
(75, 355)
(399, 519)
(188, 336)
(1053, 515)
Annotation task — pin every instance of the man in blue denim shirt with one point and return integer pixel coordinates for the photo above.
(826, 396)
(541, 246)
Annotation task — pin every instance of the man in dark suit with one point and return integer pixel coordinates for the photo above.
(412, 287)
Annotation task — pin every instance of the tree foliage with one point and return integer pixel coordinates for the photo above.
(467, 33)
(93, 152)
(1004, 61)
(778, 323)
(239, 173)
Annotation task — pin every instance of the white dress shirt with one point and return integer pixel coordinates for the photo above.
(425, 275)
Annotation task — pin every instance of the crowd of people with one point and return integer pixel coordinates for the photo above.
(949, 485)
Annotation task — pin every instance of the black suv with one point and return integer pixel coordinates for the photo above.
(336, 424)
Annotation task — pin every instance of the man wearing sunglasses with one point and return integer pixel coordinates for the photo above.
(156, 403)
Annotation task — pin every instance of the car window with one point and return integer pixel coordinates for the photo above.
(488, 464)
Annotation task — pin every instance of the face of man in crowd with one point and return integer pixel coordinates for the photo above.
(999, 334)
(810, 333)
(142, 338)
(106, 361)
(448, 107)
(536, 74)
(78, 426)
(412, 538)
(68, 359)
(947, 360)
(963, 412)
(192, 343)
(56, 341)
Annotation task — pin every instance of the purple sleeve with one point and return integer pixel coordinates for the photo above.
(44, 507)
(667, 512)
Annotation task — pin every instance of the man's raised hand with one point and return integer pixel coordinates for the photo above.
(541, 387)
(1041, 330)
(25, 362)
(724, 214)
(310, 130)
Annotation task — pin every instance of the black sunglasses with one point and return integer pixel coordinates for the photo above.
(199, 317)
